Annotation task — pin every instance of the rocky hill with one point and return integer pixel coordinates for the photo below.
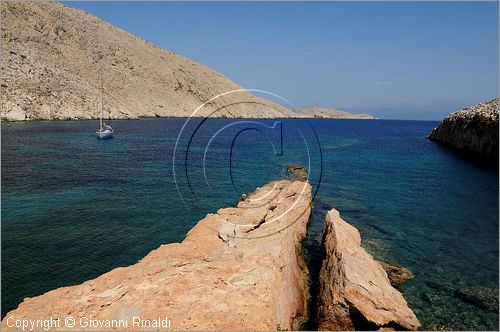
(473, 129)
(51, 60)
(330, 113)
(52, 57)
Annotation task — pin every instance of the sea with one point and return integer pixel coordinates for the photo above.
(74, 207)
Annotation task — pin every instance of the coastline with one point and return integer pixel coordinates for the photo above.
(240, 268)
(472, 132)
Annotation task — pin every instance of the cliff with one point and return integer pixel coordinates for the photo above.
(330, 113)
(473, 129)
(52, 56)
(240, 269)
(354, 290)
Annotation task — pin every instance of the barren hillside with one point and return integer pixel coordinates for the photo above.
(51, 60)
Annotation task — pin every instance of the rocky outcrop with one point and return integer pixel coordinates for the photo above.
(240, 268)
(355, 292)
(330, 113)
(298, 172)
(473, 129)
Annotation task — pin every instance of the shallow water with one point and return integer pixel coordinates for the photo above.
(74, 207)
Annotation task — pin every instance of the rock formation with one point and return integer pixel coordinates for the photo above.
(396, 273)
(240, 268)
(473, 129)
(355, 292)
(482, 297)
(330, 113)
(52, 57)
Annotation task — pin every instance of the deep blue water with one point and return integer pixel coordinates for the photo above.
(74, 207)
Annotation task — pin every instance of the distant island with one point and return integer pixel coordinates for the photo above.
(471, 130)
(51, 60)
(241, 268)
(330, 113)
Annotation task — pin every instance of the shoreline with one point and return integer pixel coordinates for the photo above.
(237, 268)
(196, 117)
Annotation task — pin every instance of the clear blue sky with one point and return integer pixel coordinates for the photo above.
(392, 59)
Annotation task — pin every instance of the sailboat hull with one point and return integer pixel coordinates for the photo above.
(104, 134)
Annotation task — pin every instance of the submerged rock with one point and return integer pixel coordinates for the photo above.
(355, 292)
(300, 172)
(481, 297)
(473, 129)
(397, 274)
(240, 269)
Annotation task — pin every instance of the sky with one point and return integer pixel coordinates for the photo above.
(396, 60)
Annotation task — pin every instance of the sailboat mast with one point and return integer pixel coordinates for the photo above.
(102, 99)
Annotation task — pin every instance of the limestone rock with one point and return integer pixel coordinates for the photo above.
(240, 269)
(473, 129)
(397, 274)
(355, 292)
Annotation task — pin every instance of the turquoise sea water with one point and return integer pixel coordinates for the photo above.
(74, 207)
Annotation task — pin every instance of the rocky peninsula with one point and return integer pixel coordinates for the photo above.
(241, 268)
(354, 290)
(330, 113)
(472, 130)
(52, 55)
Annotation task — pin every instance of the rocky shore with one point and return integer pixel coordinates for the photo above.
(354, 290)
(241, 268)
(330, 113)
(238, 269)
(473, 130)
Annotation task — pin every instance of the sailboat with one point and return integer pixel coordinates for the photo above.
(104, 131)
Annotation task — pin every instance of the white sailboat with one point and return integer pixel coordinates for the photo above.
(104, 131)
